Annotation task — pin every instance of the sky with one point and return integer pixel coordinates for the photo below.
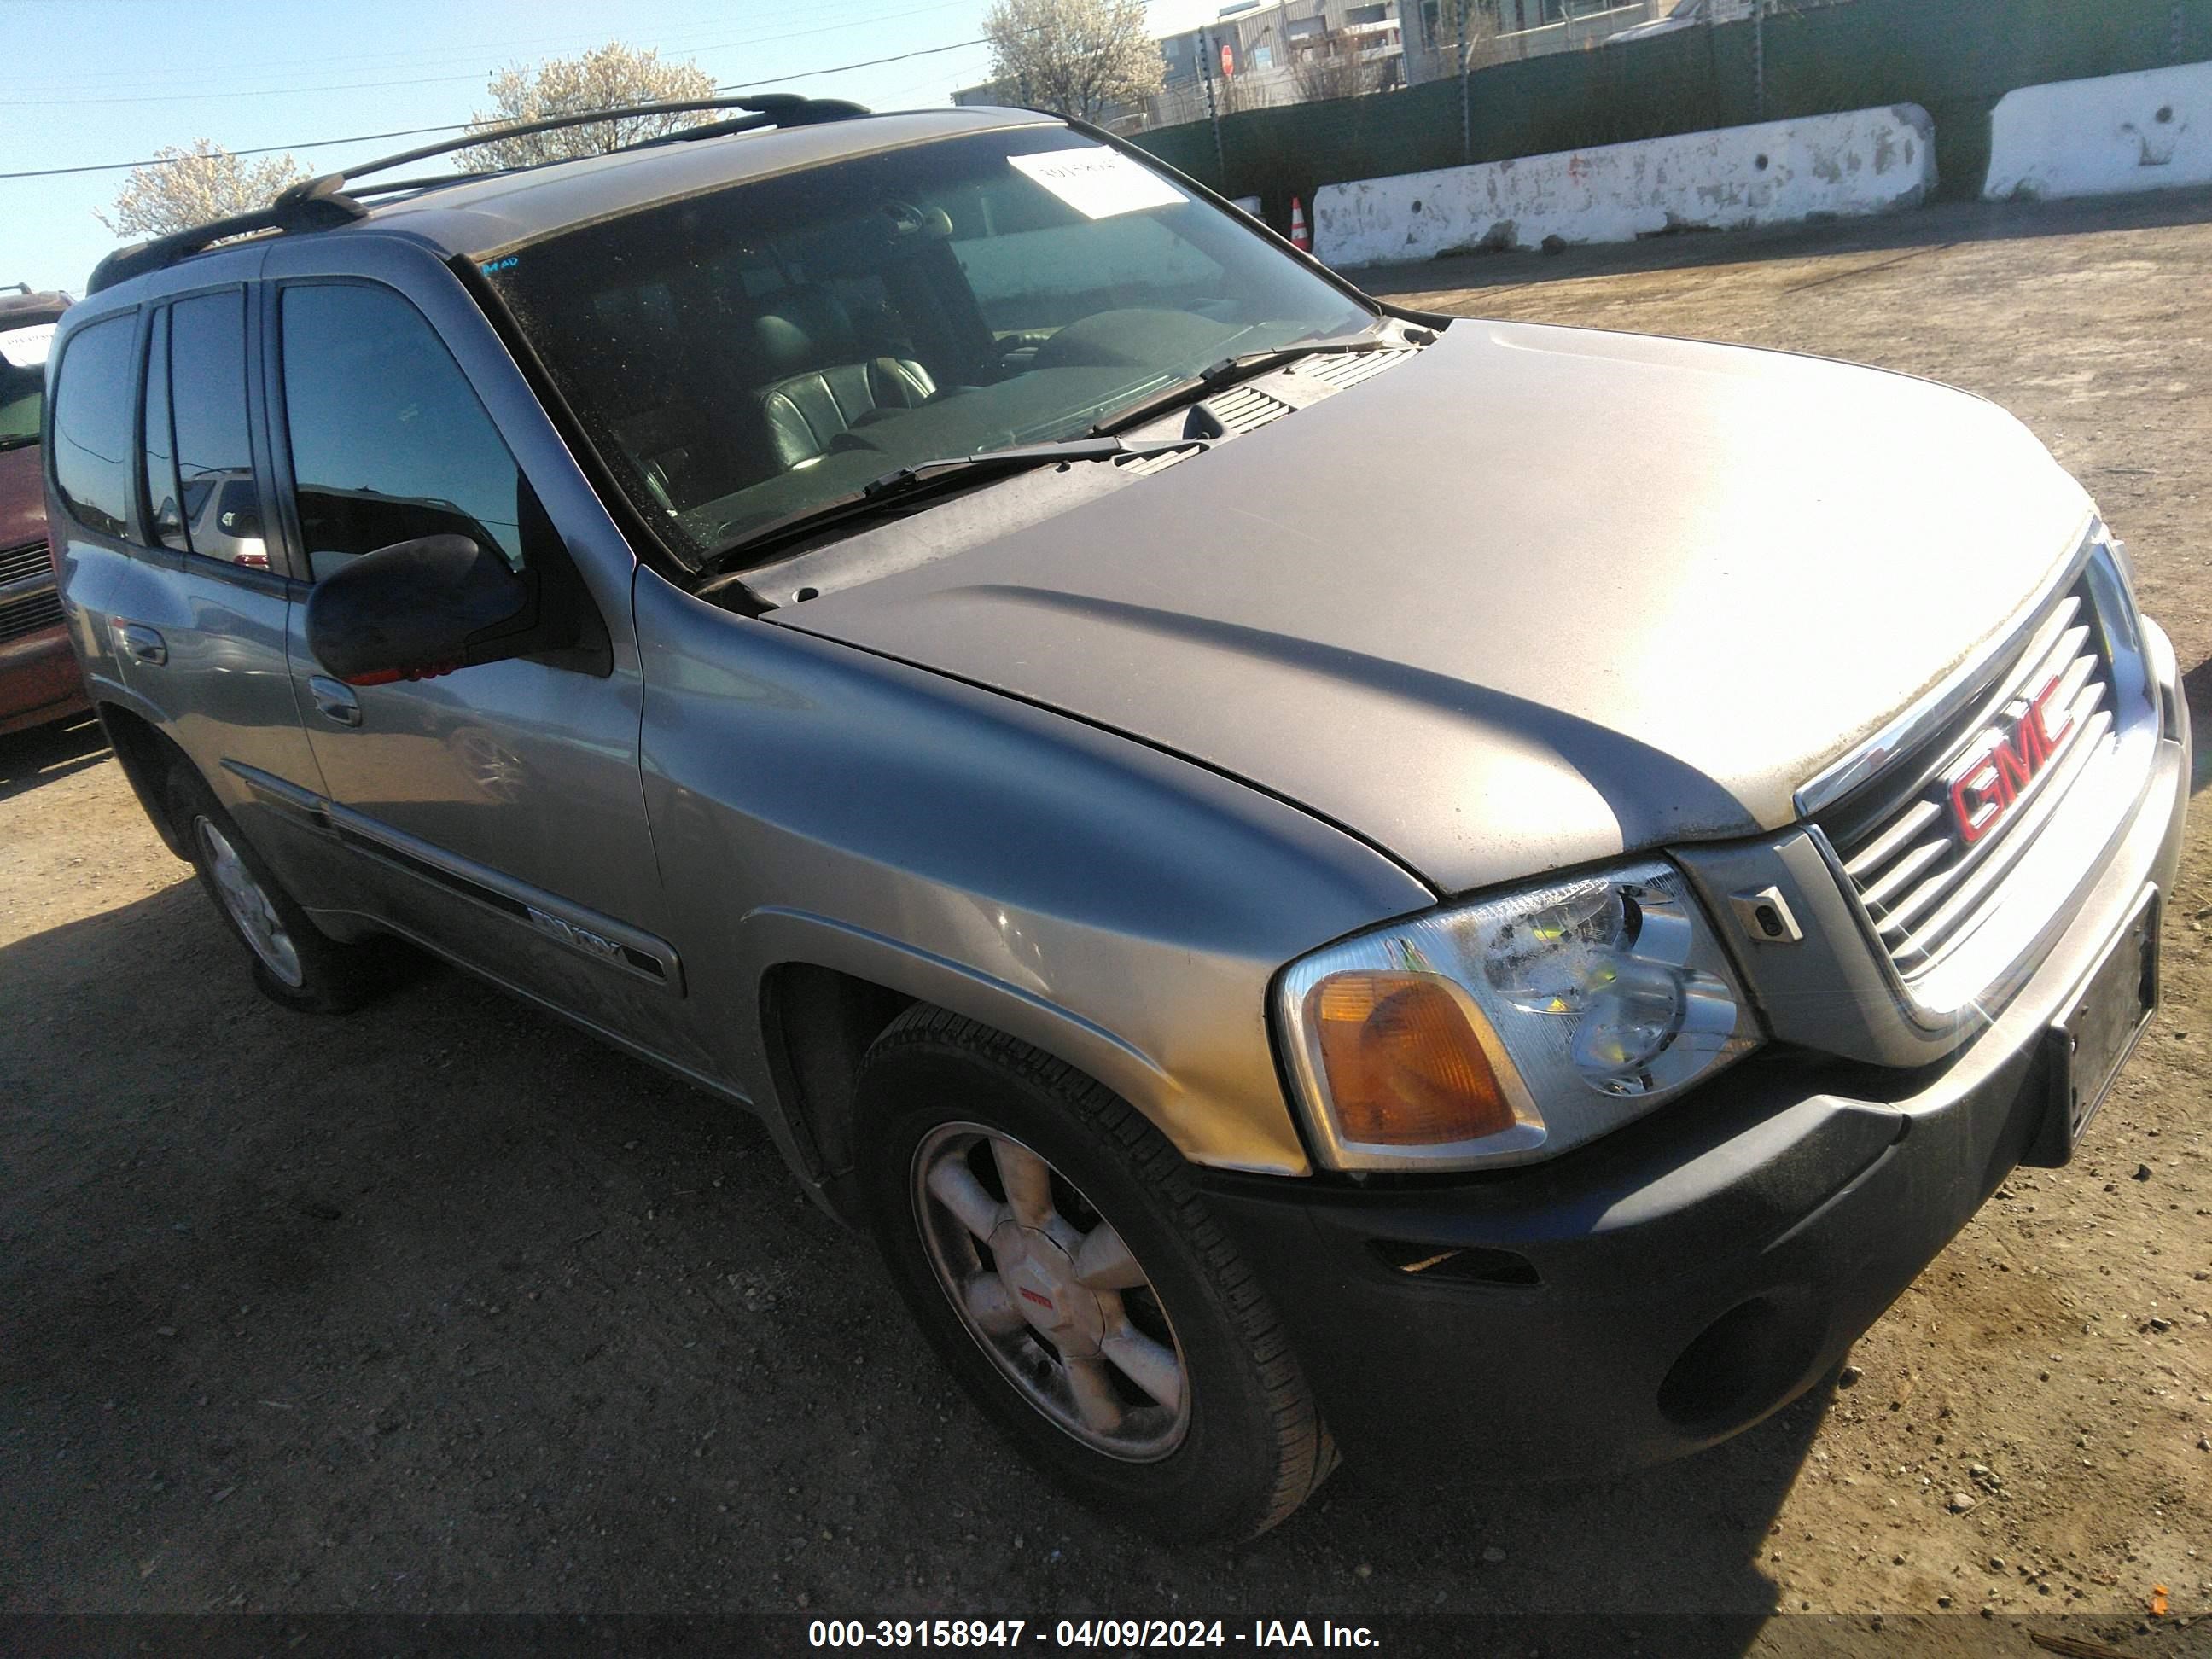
(88, 81)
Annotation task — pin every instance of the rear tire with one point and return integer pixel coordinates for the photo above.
(295, 963)
(1057, 1252)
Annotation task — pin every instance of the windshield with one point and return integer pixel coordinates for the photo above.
(22, 381)
(742, 356)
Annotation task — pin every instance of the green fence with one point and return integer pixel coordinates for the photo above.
(1954, 58)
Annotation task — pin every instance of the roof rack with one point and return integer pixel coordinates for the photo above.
(328, 199)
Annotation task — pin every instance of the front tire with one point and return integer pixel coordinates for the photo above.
(295, 963)
(1058, 1253)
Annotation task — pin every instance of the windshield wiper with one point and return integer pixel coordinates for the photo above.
(1243, 366)
(919, 476)
(1015, 457)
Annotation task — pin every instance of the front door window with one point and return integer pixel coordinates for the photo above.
(389, 441)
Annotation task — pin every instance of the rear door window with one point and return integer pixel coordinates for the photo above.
(218, 498)
(167, 517)
(92, 424)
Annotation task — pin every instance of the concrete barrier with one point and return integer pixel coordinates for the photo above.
(2147, 130)
(1865, 161)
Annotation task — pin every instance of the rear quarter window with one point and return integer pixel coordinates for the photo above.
(92, 439)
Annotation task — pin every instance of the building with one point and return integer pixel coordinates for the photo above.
(1257, 55)
(1293, 51)
(1252, 55)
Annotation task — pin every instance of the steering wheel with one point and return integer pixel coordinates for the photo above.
(910, 222)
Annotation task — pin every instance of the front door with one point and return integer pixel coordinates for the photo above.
(495, 813)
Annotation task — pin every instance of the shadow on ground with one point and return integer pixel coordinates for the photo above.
(446, 1307)
(1944, 224)
(44, 753)
(2197, 685)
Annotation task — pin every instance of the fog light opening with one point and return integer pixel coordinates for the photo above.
(1742, 1366)
(1465, 1264)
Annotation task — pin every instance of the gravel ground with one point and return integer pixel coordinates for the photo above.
(444, 1308)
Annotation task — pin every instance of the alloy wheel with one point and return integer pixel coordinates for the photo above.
(1051, 1292)
(249, 906)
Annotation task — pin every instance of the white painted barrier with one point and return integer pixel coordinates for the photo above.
(1865, 161)
(2148, 131)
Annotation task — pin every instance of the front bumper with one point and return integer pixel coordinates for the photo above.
(39, 680)
(1668, 1286)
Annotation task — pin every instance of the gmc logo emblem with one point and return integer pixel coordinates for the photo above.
(1980, 800)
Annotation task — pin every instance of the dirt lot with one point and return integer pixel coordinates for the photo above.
(441, 1308)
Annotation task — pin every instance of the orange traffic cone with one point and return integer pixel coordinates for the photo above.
(1300, 237)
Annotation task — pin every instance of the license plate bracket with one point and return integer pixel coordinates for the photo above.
(2097, 1029)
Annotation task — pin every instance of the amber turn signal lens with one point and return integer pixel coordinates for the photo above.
(1405, 1068)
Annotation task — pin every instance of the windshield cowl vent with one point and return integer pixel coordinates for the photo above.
(1350, 368)
(1143, 466)
(1246, 409)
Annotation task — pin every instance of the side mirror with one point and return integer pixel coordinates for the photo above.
(421, 608)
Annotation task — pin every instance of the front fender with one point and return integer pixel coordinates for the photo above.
(1121, 908)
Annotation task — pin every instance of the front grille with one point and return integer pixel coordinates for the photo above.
(1928, 843)
(28, 560)
(28, 616)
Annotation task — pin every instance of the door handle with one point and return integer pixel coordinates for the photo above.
(142, 644)
(335, 700)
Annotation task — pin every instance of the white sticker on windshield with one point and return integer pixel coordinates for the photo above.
(1097, 182)
(25, 347)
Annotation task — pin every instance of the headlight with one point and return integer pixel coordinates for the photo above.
(1514, 1027)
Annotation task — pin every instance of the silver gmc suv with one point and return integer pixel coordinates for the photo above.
(1308, 896)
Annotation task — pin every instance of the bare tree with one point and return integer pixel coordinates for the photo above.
(1333, 73)
(612, 77)
(184, 187)
(1077, 58)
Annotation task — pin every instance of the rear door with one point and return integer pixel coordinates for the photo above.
(156, 409)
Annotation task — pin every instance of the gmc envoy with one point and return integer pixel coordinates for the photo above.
(1308, 894)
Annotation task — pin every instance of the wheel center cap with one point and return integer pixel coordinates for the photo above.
(1042, 1279)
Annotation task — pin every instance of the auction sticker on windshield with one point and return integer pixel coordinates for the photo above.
(1099, 183)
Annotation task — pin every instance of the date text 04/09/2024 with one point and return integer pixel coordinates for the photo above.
(1107, 1634)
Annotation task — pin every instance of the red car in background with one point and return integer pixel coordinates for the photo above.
(38, 678)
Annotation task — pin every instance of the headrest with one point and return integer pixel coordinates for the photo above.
(805, 328)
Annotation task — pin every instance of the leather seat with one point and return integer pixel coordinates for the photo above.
(823, 385)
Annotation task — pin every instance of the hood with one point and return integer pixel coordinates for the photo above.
(1536, 597)
(23, 497)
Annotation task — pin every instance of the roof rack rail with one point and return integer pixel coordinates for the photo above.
(779, 109)
(326, 200)
(287, 213)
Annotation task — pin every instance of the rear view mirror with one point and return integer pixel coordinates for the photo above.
(421, 608)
